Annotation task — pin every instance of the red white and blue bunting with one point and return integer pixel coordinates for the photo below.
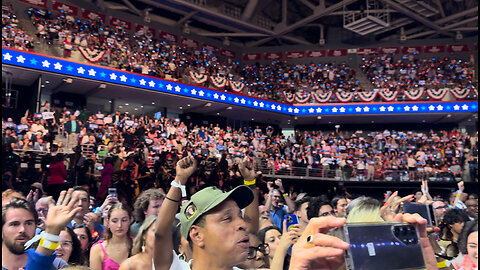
(236, 86)
(322, 97)
(92, 56)
(198, 78)
(289, 97)
(302, 97)
(344, 96)
(414, 94)
(460, 93)
(366, 96)
(218, 81)
(387, 94)
(437, 94)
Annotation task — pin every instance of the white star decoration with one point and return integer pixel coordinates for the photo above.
(236, 100)
(177, 88)
(290, 110)
(80, 70)
(169, 87)
(143, 82)
(440, 107)
(7, 56)
(311, 110)
(215, 96)
(194, 92)
(151, 84)
(366, 109)
(358, 109)
(222, 97)
(261, 104)
(390, 108)
(279, 108)
(342, 109)
(242, 101)
(296, 110)
(113, 76)
(334, 109)
(319, 110)
(255, 103)
(382, 109)
(273, 107)
(406, 108)
(456, 107)
(21, 59)
(58, 66)
(46, 64)
(123, 78)
(431, 108)
(201, 93)
(92, 72)
(465, 107)
(415, 108)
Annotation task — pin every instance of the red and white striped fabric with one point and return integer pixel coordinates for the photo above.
(460, 93)
(414, 94)
(198, 78)
(437, 94)
(387, 94)
(236, 86)
(344, 96)
(218, 81)
(322, 97)
(367, 96)
(302, 97)
(289, 97)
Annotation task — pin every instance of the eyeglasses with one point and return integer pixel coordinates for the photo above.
(331, 213)
(66, 244)
(441, 207)
(252, 251)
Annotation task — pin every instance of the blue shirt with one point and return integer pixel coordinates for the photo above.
(277, 216)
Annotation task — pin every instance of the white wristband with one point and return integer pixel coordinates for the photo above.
(44, 235)
(181, 187)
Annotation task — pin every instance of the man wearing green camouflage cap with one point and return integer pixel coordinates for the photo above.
(211, 221)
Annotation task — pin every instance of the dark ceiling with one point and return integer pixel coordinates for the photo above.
(254, 23)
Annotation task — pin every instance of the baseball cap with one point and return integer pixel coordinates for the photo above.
(206, 199)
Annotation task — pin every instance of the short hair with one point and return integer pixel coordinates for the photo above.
(468, 228)
(10, 193)
(80, 188)
(143, 200)
(19, 203)
(298, 204)
(314, 206)
(365, 210)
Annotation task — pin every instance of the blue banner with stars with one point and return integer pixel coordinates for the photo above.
(110, 75)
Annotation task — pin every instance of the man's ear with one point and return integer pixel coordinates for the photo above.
(197, 235)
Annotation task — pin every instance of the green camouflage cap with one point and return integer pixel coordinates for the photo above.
(206, 199)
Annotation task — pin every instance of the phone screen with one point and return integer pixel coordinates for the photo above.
(424, 210)
(112, 192)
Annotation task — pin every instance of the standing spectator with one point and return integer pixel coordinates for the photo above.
(72, 128)
(147, 203)
(105, 178)
(273, 203)
(142, 250)
(340, 206)
(57, 175)
(439, 209)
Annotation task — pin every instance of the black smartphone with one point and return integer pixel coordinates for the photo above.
(112, 191)
(382, 246)
(424, 210)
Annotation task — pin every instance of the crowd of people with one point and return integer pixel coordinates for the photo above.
(243, 226)
(142, 53)
(13, 34)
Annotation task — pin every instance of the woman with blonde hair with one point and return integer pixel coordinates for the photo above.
(116, 246)
(142, 250)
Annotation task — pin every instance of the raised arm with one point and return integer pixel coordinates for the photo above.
(163, 247)
(288, 200)
(251, 211)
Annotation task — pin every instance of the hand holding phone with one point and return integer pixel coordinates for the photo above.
(290, 220)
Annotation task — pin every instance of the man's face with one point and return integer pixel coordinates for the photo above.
(224, 235)
(263, 211)
(153, 207)
(341, 207)
(302, 213)
(276, 198)
(439, 208)
(472, 207)
(83, 201)
(42, 209)
(18, 229)
(260, 260)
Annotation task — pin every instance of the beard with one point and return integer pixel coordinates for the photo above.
(13, 246)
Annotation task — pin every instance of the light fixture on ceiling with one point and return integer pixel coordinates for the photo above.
(102, 86)
(218, 113)
(153, 103)
(319, 117)
(229, 107)
(126, 104)
(253, 119)
(68, 80)
(208, 104)
(47, 81)
(181, 108)
(188, 105)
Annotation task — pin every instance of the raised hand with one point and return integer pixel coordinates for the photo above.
(246, 169)
(61, 214)
(461, 186)
(390, 208)
(185, 168)
(278, 182)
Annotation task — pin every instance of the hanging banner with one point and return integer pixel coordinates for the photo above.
(302, 97)
(414, 93)
(322, 97)
(457, 48)
(294, 55)
(366, 51)
(218, 81)
(337, 53)
(389, 50)
(168, 36)
(88, 14)
(198, 78)
(39, 3)
(411, 49)
(437, 94)
(434, 49)
(316, 53)
(251, 56)
(93, 56)
(289, 97)
(367, 96)
(228, 53)
(62, 7)
(460, 93)
(236, 86)
(126, 25)
(209, 47)
(144, 30)
(387, 94)
(272, 56)
(189, 42)
(344, 96)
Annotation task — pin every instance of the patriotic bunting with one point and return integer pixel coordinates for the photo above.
(198, 78)
(218, 81)
(344, 96)
(322, 97)
(236, 86)
(387, 94)
(460, 93)
(366, 96)
(414, 94)
(437, 94)
(289, 97)
(92, 56)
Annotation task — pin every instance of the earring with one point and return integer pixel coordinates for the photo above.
(181, 257)
(143, 248)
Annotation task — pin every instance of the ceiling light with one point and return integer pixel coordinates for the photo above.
(120, 106)
(43, 85)
(126, 104)
(218, 113)
(329, 122)
(141, 106)
(253, 119)
(373, 122)
(423, 121)
(295, 118)
(319, 117)
(47, 81)
(153, 103)
(449, 115)
(229, 107)
(68, 80)
(188, 105)
(136, 109)
(102, 86)
(208, 104)
(181, 108)
(109, 101)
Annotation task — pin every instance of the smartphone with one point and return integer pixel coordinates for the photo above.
(382, 246)
(100, 168)
(424, 210)
(112, 192)
(291, 220)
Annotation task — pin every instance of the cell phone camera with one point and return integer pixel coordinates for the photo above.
(289, 219)
(406, 234)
